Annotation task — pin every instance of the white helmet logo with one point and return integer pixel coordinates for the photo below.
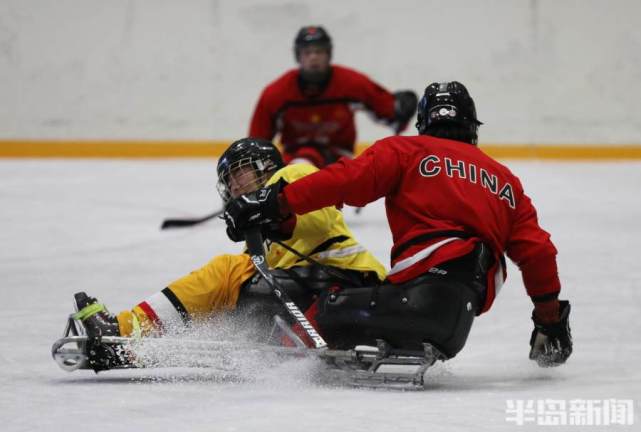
(447, 112)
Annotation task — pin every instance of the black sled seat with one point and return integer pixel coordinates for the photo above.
(436, 308)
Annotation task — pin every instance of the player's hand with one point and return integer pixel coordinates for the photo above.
(258, 208)
(551, 340)
(405, 104)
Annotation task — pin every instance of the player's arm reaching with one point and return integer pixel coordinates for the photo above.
(354, 182)
(531, 249)
(396, 109)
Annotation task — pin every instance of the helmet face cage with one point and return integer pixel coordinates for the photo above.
(246, 166)
(247, 175)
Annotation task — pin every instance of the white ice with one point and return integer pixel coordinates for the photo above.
(68, 226)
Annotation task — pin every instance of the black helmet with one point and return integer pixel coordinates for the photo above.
(448, 107)
(260, 155)
(312, 35)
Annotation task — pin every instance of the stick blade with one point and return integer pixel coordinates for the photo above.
(178, 223)
(187, 222)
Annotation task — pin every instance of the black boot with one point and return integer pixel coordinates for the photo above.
(95, 318)
(98, 322)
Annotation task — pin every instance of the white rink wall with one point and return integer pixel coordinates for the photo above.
(541, 71)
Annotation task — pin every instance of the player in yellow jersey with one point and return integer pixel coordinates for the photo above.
(230, 282)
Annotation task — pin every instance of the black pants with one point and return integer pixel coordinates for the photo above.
(438, 307)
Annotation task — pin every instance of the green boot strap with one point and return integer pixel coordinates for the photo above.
(88, 311)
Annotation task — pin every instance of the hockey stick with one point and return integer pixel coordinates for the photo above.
(255, 248)
(181, 223)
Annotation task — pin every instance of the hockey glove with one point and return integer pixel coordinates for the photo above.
(260, 208)
(551, 343)
(405, 103)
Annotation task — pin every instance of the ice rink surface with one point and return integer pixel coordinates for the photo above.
(68, 226)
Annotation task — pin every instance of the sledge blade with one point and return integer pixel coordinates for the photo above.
(383, 366)
(70, 360)
(363, 366)
(69, 351)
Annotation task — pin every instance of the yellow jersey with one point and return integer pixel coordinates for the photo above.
(321, 234)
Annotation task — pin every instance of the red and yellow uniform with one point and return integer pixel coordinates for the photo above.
(322, 234)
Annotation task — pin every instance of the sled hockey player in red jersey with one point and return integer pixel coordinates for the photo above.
(453, 212)
(312, 107)
(230, 282)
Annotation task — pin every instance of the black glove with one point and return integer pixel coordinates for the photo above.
(271, 231)
(405, 104)
(551, 344)
(260, 208)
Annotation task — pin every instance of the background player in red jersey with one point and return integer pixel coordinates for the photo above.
(312, 107)
(453, 212)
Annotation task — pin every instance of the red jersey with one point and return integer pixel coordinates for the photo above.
(441, 197)
(326, 120)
